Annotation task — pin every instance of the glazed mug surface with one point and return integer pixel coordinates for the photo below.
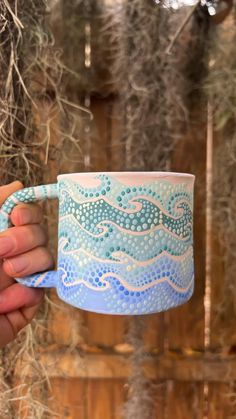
(125, 242)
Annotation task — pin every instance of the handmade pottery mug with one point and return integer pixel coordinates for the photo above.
(125, 242)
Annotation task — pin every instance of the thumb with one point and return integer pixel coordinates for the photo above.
(18, 296)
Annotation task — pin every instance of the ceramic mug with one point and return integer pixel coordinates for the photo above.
(125, 242)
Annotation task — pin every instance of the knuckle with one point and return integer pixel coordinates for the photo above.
(24, 239)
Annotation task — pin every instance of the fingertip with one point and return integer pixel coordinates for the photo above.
(13, 186)
(15, 216)
(17, 184)
(24, 214)
(20, 215)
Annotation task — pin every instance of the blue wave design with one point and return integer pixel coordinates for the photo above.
(178, 272)
(117, 298)
(159, 298)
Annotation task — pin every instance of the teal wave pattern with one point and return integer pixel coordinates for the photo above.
(144, 216)
(141, 247)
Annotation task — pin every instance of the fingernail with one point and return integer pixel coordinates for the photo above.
(6, 245)
(19, 264)
(25, 215)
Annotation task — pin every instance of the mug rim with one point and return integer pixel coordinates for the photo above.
(129, 173)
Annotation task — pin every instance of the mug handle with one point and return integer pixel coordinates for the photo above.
(27, 195)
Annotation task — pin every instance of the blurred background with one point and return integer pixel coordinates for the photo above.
(114, 85)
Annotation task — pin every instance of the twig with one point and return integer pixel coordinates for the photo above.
(79, 107)
(182, 26)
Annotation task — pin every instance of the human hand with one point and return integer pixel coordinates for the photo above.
(22, 252)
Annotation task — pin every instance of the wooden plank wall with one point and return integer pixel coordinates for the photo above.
(87, 356)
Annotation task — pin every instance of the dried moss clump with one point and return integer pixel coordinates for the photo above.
(141, 402)
(156, 93)
(154, 87)
(38, 134)
(31, 95)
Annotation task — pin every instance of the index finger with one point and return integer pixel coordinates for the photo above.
(7, 190)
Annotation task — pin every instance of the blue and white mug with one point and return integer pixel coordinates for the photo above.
(125, 242)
